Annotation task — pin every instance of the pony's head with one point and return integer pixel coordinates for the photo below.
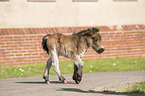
(96, 39)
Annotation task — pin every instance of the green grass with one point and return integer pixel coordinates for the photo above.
(111, 65)
(138, 87)
(66, 67)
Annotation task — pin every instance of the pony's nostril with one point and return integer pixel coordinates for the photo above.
(100, 50)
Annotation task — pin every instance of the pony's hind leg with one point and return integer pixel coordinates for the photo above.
(46, 71)
(55, 65)
(56, 68)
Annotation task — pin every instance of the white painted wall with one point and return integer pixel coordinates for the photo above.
(65, 13)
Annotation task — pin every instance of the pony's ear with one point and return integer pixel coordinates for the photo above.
(91, 31)
(95, 29)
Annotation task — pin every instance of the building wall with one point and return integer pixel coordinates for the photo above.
(68, 13)
(23, 23)
(23, 45)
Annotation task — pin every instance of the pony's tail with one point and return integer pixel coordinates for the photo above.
(44, 43)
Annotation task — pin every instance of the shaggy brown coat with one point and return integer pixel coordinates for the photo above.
(71, 46)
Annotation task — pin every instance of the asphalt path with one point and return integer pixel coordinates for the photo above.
(92, 84)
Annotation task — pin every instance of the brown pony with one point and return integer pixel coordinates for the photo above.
(71, 46)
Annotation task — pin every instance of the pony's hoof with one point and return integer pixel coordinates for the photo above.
(77, 82)
(47, 82)
(45, 77)
(64, 81)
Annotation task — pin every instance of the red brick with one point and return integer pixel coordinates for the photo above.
(26, 48)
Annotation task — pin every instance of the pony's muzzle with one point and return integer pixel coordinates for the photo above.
(100, 49)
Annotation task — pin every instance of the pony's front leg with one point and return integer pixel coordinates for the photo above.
(75, 72)
(78, 68)
(77, 76)
(55, 65)
(46, 71)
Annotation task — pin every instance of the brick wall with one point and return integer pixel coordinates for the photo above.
(23, 45)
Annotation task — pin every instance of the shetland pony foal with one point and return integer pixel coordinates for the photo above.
(71, 46)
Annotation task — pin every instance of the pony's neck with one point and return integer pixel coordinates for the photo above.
(88, 41)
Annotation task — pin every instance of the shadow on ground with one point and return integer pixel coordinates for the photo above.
(101, 92)
(42, 82)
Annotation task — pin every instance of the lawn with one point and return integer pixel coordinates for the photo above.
(66, 67)
(138, 87)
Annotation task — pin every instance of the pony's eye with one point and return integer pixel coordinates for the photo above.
(95, 39)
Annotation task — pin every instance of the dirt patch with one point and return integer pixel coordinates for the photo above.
(117, 89)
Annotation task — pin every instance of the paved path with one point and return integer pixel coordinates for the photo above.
(34, 86)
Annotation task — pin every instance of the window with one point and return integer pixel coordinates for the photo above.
(124, 0)
(41, 0)
(4, 0)
(85, 0)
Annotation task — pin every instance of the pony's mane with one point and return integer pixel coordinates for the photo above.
(83, 31)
